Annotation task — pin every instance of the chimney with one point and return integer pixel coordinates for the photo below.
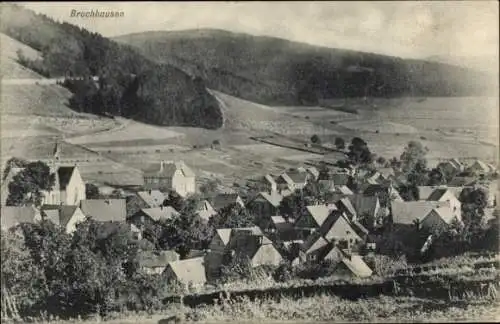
(161, 165)
(161, 207)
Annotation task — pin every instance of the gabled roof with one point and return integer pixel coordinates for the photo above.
(205, 210)
(313, 243)
(153, 198)
(337, 226)
(168, 169)
(425, 191)
(224, 199)
(247, 240)
(274, 198)
(103, 210)
(314, 171)
(224, 234)
(346, 203)
(406, 212)
(344, 190)
(365, 204)
(65, 173)
(437, 194)
(320, 212)
(189, 270)
(58, 214)
(280, 223)
(148, 259)
(445, 212)
(482, 165)
(11, 216)
(357, 266)
(294, 177)
(269, 178)
(160, 213)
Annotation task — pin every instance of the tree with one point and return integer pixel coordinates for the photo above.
(409, 192)
(294, 205)
(418, 176)
(315, 139)
(381, 161)
(436, 177)
(232, 216)
(413, 154)
(339, 143)
(27, 186)
(174, 200)
(13, 163)
(474, 201)
(91, 191)
(186, 231)
(359, 153)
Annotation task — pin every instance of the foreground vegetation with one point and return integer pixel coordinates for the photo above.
(314, 309)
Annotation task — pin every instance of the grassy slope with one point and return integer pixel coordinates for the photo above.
(271, 70)
(167, 95)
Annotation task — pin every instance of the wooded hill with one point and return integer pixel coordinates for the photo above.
(276, 71)
(129, 85)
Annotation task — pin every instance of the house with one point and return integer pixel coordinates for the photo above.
(12, 216)
(313, 172)
(69, 187)
(149, 216)
(429, 215)
(345, 206)
(205, 210)
(251, 243)
(265, 205)
(267, 183)
(224, 200)
(155, 263)
(175, 176)
(189, 272)
(247, 242)
(279, 228)
(337, 230)
(314, 216)
(4, 194)
(446, 195)
(292, 180)
(385, 192)
(314, 248)
(452, 166)
(479, 167)
(462, 181)
(217, 249)
(67, 217)
(152, 198)
(367, 209)
(104, 210)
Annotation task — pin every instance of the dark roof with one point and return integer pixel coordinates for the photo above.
(437, 194)
(103, 210)
(223, 200)
(11, 216)
(64, 174)
(58, 214)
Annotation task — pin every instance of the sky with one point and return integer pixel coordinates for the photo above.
(415, 29)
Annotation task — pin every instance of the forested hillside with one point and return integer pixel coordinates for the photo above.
(129, 84)
(272, 70)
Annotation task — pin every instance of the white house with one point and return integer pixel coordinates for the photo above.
(176, 176)
(69, 187)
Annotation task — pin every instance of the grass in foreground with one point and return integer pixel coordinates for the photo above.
(320, 309)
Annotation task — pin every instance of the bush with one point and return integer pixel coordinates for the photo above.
(315, 139)
(283, 273)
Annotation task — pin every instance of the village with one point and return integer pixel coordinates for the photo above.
(339, 213)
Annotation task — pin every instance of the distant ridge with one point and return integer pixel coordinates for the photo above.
(272, 70)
